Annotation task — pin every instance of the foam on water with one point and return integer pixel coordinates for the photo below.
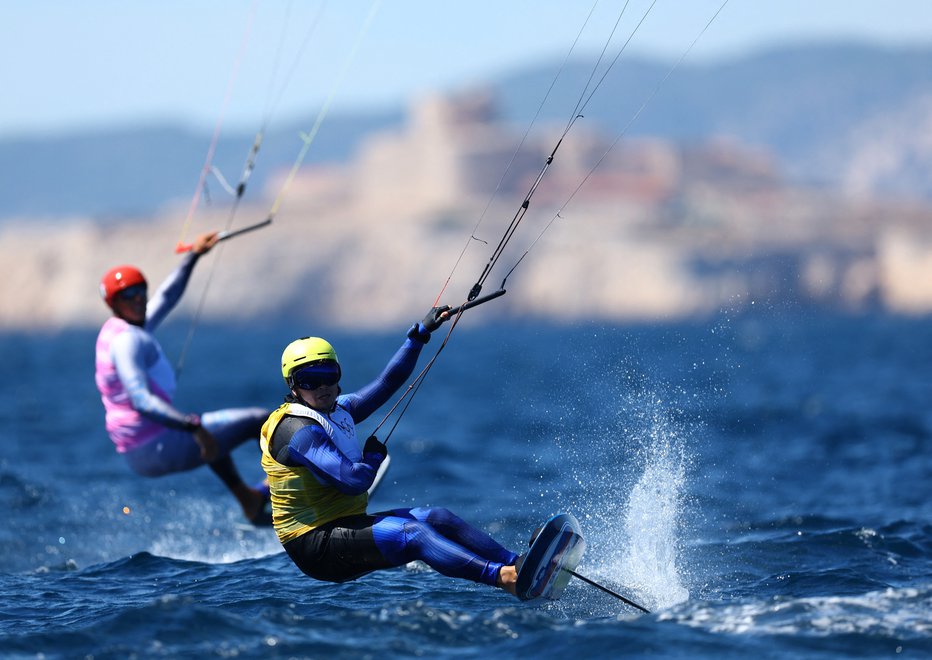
(895, 613)
(226, 537)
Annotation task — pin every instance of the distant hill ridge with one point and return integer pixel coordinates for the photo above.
(847, 116)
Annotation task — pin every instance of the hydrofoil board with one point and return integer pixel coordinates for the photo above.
(555, 551)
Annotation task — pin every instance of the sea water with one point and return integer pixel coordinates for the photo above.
(760, 483)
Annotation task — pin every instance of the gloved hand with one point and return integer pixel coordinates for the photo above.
(434, 319)
(373, 446)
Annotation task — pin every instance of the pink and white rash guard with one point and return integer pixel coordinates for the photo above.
(135, 379)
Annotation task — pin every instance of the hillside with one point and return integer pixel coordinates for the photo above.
(847, 117)
(823, 110)
(660, 230)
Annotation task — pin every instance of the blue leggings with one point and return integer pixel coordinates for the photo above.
(350, 547)
(175, 450)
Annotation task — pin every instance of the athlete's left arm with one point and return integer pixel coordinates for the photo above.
(169, 292)
(312, 448)
(367, 400)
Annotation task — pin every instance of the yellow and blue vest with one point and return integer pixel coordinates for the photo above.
(300, 502)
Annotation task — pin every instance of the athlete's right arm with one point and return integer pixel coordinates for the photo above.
(312, 448)
(128, 354)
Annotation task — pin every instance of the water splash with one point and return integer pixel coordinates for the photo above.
(634, 532)
(652, 521)
(222, 536)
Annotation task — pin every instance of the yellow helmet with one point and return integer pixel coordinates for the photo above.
(305, 351)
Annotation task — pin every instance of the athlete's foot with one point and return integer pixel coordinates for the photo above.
(508, 579)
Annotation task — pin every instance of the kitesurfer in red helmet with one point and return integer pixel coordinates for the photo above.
(137, 384)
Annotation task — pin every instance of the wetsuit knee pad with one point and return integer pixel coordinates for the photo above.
(397, 538)
(442, 517)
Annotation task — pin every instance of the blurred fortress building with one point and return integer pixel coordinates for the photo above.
(717, 218)
(620, 229)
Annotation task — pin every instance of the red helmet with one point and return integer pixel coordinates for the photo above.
(119, 278)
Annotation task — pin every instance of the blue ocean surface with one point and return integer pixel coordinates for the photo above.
(762, 484)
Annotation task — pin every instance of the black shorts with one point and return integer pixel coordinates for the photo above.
(339, 551)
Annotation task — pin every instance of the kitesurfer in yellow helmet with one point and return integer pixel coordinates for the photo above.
(319, 477)
(137, 384)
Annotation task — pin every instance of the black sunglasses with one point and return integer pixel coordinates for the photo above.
(131, 292)
(317, 375)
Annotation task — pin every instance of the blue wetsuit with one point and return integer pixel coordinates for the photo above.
(351, 546)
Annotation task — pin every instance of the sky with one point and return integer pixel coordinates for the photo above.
(68, 66)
